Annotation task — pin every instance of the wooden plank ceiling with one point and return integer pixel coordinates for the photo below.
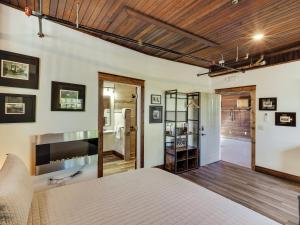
(202, 28)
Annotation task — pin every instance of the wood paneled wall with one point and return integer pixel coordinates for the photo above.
(235, 122)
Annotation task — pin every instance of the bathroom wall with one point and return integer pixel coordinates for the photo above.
(124, 96)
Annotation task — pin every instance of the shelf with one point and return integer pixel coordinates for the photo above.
(181, 159)
(173, 136)
(174, 121)
(194, 157)
(180, 135)
(176, 111)
(181, 149)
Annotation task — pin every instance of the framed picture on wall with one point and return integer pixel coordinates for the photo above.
(287, 119)
(268, 104)
(155, 114)
(67, 97)
(16, 108)
(18, 70)
(156, 99)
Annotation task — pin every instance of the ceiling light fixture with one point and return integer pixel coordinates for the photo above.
(258, 37)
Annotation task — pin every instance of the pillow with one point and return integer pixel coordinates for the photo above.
(16, 192)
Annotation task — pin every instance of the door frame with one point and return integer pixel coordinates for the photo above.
(102, 76)
(252, 90)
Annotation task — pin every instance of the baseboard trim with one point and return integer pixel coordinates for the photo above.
(278, 174)
(162, 166)
(113, 152)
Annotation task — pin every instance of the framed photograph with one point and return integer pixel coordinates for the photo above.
(67, 97)
(15, 108)
(268, 104)
(18, 70)
(287, 119)
(156, 99)
(155, 114)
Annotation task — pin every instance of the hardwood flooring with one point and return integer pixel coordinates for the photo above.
(113, 164)
(270, 196)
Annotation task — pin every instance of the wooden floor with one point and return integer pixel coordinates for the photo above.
(113, 164)
(270, 196)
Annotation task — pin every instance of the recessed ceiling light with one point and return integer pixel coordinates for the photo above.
(258, 37)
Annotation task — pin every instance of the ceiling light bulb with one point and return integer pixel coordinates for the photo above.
(258, 37)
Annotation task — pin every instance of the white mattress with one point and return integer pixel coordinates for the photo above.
(142, 197)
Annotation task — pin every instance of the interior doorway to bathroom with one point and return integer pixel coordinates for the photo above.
(238, 125)
(121, 145)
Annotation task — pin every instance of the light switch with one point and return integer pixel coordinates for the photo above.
(266, 117)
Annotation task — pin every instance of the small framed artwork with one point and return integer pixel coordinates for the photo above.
(18, 70)
(268, 104)
(15, 108)
(155, 114)
(156, 99)
(67, 97)
(287, 119)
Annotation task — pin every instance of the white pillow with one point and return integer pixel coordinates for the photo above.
(16, 192)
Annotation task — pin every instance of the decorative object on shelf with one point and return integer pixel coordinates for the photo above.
(155, 114)
(156, 99)
(181, 142)
(67, 97)
(268, 104)
(18, 70)
(17, 108)
(287, 119)
(182, 122)
(192, 104)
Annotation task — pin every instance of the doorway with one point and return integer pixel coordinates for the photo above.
(237, 139)
(121, 124)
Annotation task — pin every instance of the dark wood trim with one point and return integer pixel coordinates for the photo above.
(252, 90)
(142, 124)
(125, 80)
(162, 166)
(113, 152)
(278, 174)
(236, 89)
(121, 79)
(118, 154)
(101, 123)
(164, 25)
(110, 152)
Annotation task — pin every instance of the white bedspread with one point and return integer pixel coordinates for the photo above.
(142, 197)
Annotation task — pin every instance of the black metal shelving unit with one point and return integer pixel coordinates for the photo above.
(181, 131)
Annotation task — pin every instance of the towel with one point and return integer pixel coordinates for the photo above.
(118, 128)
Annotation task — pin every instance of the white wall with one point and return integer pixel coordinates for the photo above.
(277, 148)
(70, 56)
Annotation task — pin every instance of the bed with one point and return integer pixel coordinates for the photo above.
(141, 197)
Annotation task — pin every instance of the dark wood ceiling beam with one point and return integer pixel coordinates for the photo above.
(169, 27)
